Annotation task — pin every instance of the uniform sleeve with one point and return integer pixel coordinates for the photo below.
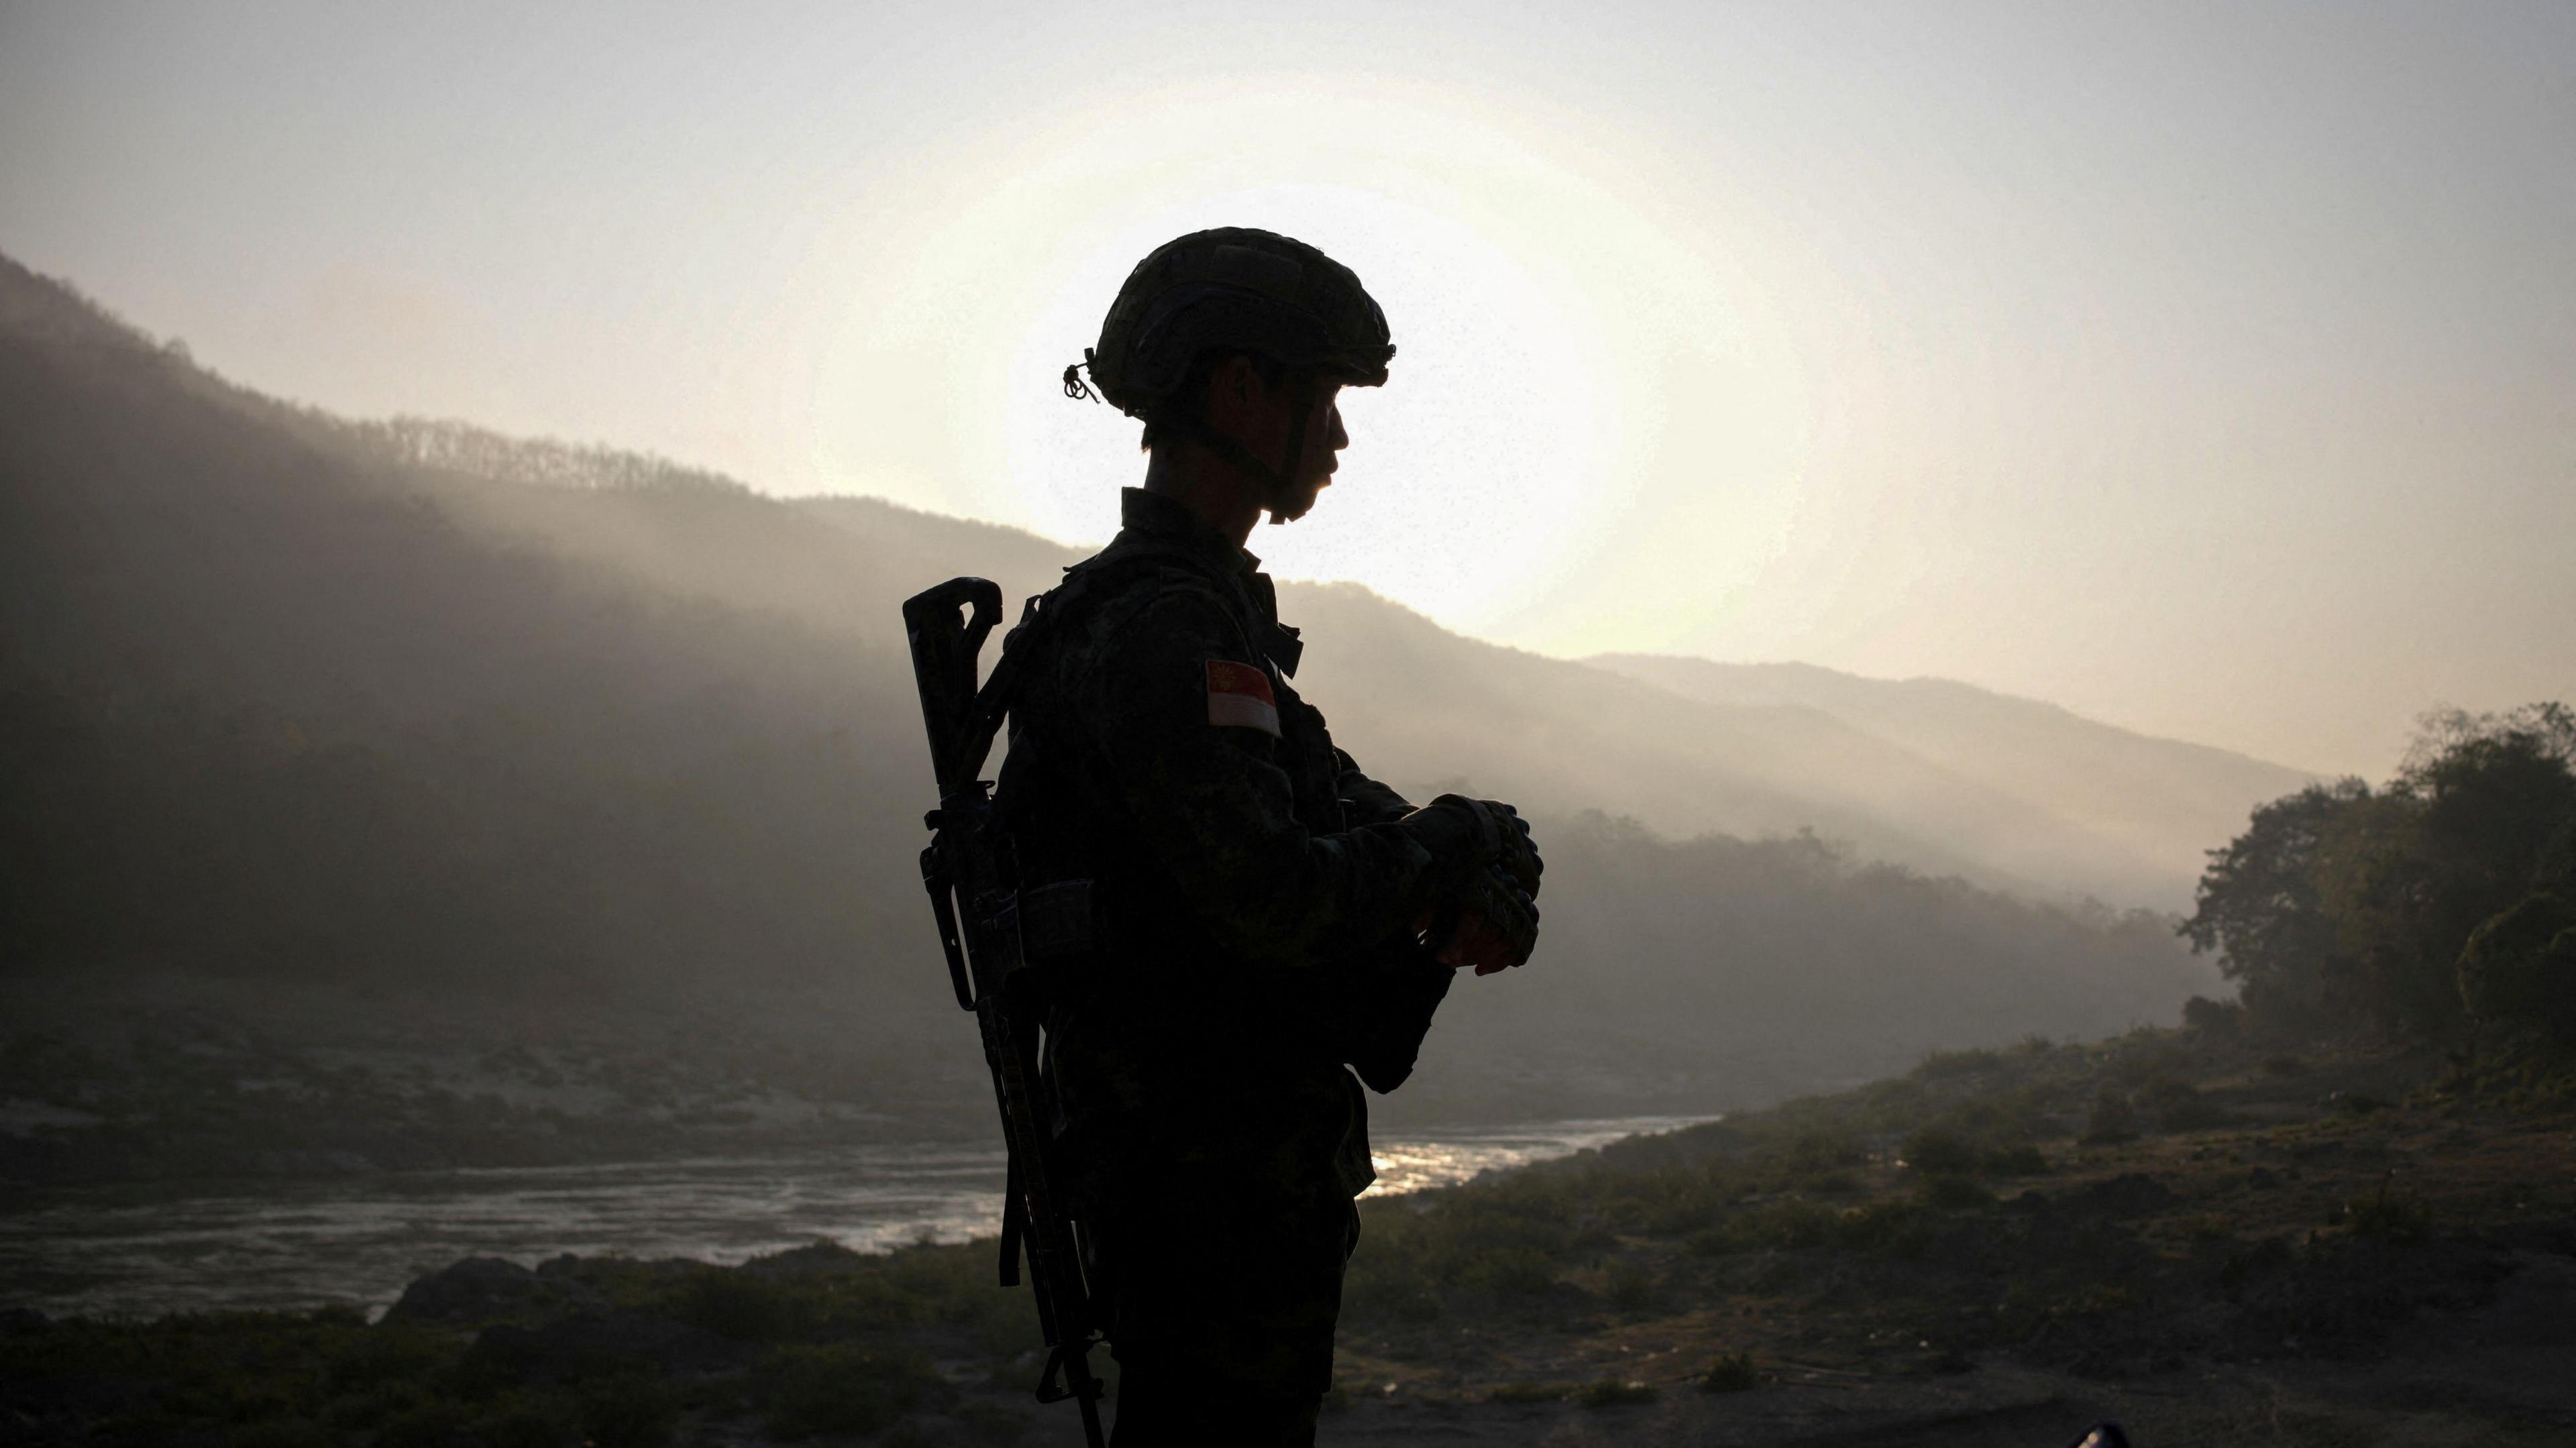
(1193, 766)
(1366, 801)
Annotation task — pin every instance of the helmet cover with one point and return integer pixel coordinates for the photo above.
(1235, 289)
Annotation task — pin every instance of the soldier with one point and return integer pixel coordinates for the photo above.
(1239, 912)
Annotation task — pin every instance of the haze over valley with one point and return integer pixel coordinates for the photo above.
(432, 760)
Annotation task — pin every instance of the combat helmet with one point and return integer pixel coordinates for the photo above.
(1234, 289)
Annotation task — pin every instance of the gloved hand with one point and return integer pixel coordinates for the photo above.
(1462, 835)
(1481, 911)
(1493, 926)
(1518, 857)
(1465, 835)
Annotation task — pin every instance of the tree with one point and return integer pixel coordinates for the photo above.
(2343, 903)
(2259, 907)
(2466, 833)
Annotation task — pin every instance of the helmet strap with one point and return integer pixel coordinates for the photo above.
(1230, 449)
(1276, 480)
(1300, 403)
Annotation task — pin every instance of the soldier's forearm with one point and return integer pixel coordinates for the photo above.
(1299, 899)
(1365, 801)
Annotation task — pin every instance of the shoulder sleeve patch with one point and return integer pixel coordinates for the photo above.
(1239, 697)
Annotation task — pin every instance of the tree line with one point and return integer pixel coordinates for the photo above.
(2440, 902)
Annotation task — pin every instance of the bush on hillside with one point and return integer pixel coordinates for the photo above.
(2520, 967)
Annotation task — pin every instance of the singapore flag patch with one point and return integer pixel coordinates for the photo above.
(1239, 697)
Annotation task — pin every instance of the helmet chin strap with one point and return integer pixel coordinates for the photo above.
(1280, 481)
(1301, 403)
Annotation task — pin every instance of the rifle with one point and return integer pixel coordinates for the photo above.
(970, 873)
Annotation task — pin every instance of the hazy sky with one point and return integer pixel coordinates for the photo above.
(2206, 369)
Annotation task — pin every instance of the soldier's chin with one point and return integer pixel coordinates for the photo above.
(1295, 505)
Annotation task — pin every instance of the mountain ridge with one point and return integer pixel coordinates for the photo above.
(411, 706)
(2142, 791)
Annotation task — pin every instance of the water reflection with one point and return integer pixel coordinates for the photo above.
(358, 1241)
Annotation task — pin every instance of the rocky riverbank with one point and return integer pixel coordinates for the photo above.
(2213, 1240)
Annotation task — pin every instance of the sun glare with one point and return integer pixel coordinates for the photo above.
(1537, 316)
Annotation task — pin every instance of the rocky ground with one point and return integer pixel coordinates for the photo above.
(2214, 1241)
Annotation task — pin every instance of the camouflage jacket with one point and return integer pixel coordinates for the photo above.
(1226, 893)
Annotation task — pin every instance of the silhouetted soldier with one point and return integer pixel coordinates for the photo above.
(1239, 911)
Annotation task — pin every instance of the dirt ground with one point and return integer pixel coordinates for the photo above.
(2312, 1267)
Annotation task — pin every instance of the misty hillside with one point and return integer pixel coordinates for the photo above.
(291, 698)
(2160, 799)
(1436, 709)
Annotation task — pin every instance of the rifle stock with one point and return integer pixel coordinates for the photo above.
(969, 873)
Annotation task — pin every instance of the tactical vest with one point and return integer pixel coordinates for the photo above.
(1164, 1050)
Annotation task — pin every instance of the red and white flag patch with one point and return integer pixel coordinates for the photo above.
(1239, 697)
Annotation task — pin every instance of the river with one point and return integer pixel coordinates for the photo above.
(358, 1240)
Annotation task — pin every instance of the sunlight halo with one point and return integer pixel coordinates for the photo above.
(1536, 310)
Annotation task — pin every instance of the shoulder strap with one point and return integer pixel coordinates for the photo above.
(1046, 613)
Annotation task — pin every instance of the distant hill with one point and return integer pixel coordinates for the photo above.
(2161, 802)
(289, 697)
(1436, 709)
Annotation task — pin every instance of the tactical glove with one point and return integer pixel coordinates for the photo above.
(1465, 834)
(1484, 882)
(1462, 835)
(1493, 926)
(1518, 857)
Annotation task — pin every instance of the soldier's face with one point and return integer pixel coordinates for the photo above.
(1325, 440)
(1259, 415)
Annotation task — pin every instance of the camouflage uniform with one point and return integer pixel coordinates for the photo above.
(1242, 907)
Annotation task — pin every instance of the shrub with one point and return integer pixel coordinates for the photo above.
(2270, 1255)
(1509, 1272)
(1940, 1153)
(1631, 1290)
(2112, 1120)
(1955, 1193)
(1527, 1393)
(2391, 1218)
(2179, 1106)
(1732, 1373)
(1894, 1227)
(1811, 1152)
(839, 1388)
(1613, 1393)
(740, 1306)
(1793, 1223)
(2018, 1160)
(1938, 1065)
(628, 1412)
(2217, 1018)
(528, 1421)
(2519, 968)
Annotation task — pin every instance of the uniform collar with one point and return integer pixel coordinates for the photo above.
(1155, 516)
(1142, 512)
